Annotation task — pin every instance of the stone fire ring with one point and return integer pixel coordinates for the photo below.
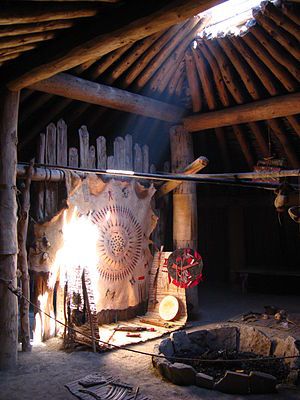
(231, 338)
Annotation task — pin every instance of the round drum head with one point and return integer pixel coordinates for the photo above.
(168, 308)
(185, 268)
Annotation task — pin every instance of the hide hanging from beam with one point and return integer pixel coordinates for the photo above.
(102, 234)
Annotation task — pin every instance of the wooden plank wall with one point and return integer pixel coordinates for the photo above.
(53, 150)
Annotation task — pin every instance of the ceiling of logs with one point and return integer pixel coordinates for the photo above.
(174, 65)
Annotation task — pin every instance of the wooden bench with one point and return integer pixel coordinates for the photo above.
(243, 275)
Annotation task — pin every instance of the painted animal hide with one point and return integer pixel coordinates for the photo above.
(105, 231)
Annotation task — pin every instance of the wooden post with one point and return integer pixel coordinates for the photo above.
(185, 232)
(8, 228)
(22, 260)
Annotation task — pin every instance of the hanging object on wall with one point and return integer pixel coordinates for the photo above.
(269, 164)
(294, 213)
(283, 193)
(104, 232)
(185, 268)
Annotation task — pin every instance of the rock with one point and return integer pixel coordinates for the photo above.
(293, 376)
(254, 341)
(163, 366)
(166, 347)
(223, 338)
(182, 374)
(288, 347)
(182, 343)
(204, 381)
(262, 383)
(199, 337)
(234, 383)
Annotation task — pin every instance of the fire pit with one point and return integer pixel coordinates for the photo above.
(228, 349)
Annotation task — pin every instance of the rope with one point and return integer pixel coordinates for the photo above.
(19, 294)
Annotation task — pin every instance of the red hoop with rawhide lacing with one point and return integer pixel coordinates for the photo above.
(185, 268)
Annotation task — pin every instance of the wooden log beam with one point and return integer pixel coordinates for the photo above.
(278, 52)
(162, 19)
(279, 131)
(279, 106)
(193, 81)
(185, 225)
(146, 66)
(21, 40)
(275, 14)
(192, 168)
(124, 63)
(287, 41)
(290, 10)
(27, 14)
(175, 79)
(21, 29)
(246, 75)
(8, 228)
(283, 76)
(18, 49)
(163, 75)
(121, 65)
(37, 100)
(224, 97)
(263, 73)
(79, 89)
(42, 174)
(149, 55)
(294, 123)
(256, 64)
(208, 92)
(162, 54)
(225, 79)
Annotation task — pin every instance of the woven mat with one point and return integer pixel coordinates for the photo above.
(159, 287)
(100, 387)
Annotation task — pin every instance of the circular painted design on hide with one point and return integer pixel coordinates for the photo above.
(119, 243)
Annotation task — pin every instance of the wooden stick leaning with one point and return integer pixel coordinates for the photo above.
(192, 168)
(22, 259)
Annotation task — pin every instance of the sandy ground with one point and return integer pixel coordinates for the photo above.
(41, 375)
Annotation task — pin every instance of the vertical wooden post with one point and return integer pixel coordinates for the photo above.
(8, 227)
(185, 232)
(22, 260)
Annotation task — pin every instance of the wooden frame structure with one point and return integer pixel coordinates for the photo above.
(150, 65)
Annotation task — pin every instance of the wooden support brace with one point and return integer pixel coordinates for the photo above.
(80, 89)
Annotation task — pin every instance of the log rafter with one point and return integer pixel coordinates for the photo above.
(208, 91)
(105, 43)
(166, 71)
(280, 19)
(277, 52)
(283, 37)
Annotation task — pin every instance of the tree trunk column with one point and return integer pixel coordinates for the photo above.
(185, 229)
(8, 227)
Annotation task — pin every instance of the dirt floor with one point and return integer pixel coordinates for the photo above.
(42, 374)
